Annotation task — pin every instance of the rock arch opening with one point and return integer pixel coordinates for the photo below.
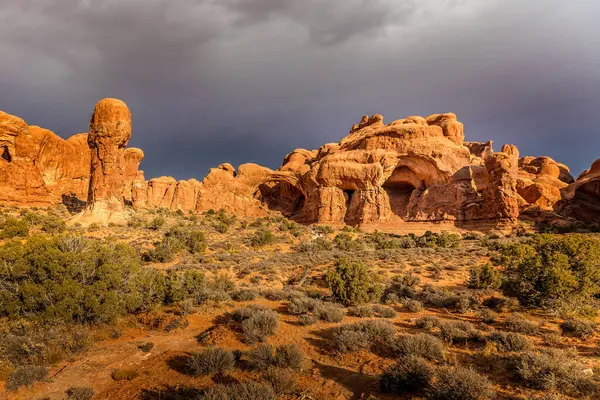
(281, 196)
(400, 187)
(5, 154)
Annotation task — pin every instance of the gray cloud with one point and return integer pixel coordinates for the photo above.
(249, 80)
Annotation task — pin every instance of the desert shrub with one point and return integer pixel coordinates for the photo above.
(346, 242)
(321, 244)
(74, 279)
(264, 356)
(240, 391)
(362, 311)
(428, 322)
(301, 305)
(420, 345)
(546, 270)
(212, 361)
(323, 229)
(306, 319)
(80, 393)
(242, 313)
(551, 370)
(407, 375)
(484, 277)
(578, 328)
(259, 324)
(487, 316)
(413, 305)
(136, 221)
(520, 324)
(455, 332)
(510, 341)
(496, 303)
(124, 374)
(363, 335)
(261, 237)
(244, 295)
(353, 283)
(13, 227)
(450, 383)
(187, 285)
(282, 380)
(25, 375)
(329, 312)
(190, 239)
(384, 311)
(157, 223)
(288, 356)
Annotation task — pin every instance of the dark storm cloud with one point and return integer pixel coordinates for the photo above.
(210, 81)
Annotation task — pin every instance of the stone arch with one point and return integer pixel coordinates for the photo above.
(400, 186)
(281, 193)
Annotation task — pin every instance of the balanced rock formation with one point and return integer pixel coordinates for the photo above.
(110, 131)
(411, 170)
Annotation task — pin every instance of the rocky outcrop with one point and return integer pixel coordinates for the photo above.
(110, 131)
(541, 181)
(581, 199)
(416, 169)
(410, 170)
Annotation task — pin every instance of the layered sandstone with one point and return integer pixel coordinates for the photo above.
(410, 170)
(110, 131)
(414, 169)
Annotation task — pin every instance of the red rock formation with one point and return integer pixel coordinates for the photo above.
(581, 199)
(541, 181)
(411, 170)
(110, 131)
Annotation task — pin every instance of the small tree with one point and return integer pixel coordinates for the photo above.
(353, 283)
(547, 270)
(484, 277)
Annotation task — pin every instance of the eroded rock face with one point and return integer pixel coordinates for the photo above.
(581, 199)
(110, 131)
(410, 170)
(540, 182)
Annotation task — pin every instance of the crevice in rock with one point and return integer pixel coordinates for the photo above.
(6, 154)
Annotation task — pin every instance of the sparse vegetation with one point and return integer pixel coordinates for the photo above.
(353, 283)
(211, 361)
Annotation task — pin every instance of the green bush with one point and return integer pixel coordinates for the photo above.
(212, 361)
(12, 227)
(73, 279)
(484, 277)
(407, 375)
(547, 270)
(353, 283)
(262, 237)
(157, 223)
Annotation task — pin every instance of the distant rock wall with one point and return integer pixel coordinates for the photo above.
(414, 169)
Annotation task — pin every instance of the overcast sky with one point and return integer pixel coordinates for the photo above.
(212, 81)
